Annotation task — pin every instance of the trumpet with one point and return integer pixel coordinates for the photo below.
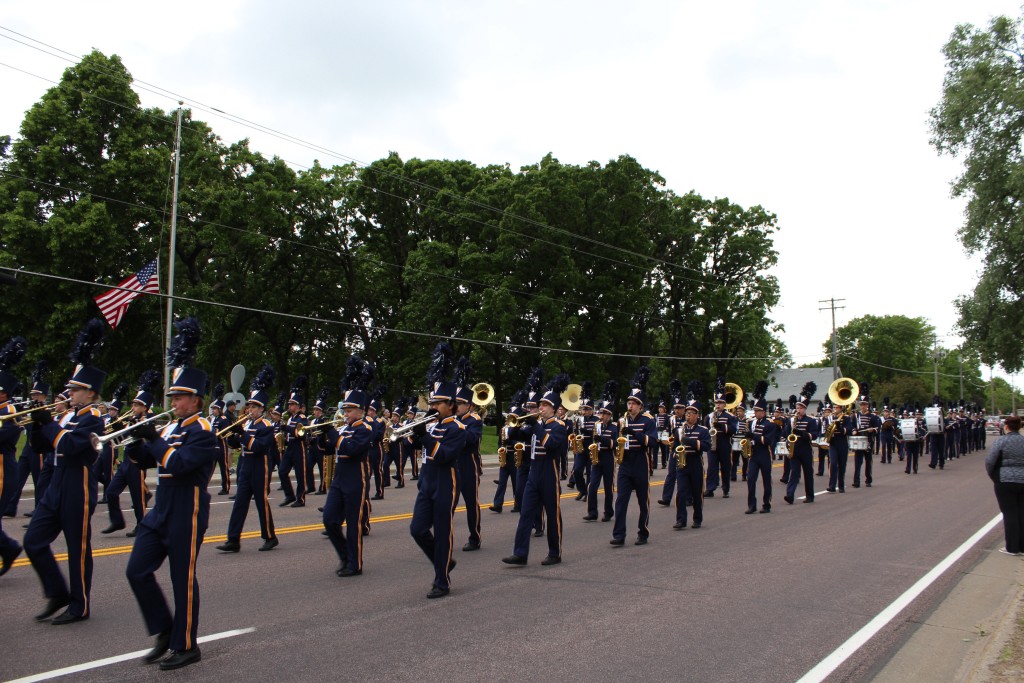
(28, 411)
(232, 425)
(119, 419)
(406, 429)
(514, 420)
(123, 437)
(312, 430)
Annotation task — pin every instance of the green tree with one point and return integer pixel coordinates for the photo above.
(980, 119)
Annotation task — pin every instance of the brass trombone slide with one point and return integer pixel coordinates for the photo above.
(27, 411)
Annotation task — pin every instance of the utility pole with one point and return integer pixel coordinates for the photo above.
(960, 357)
(992, 385)
(835, 351)
(170, 258)
(938, 355)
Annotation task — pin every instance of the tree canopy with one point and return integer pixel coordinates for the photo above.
(300, 268)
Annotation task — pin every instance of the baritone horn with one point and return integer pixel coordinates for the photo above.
(571, 397)
(733, 395)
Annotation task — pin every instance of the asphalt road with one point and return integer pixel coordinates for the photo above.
(758, 597)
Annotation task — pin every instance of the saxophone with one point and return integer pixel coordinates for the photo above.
(519, 453)
(502, 451)
(594, 458)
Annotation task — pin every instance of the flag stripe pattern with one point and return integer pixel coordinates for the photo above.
(114, 302)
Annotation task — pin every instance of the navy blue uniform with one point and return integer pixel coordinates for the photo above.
(470, 469)
(294, 459)
(696, 441)
(376, 461)
(9, 484)
(581, 460)
(839, 452)
(185, 454)
(864, 424)
(720, 459)
(394, 457)
(128, 475)
(912, 446)
(67, 508)
(548, 443)
(762, 437)
(506, 474)
(434, 510)
(253, 475)
(603, 472)
(801, 458)
(350, 446)
(29, 464)
(887, 438)
(410, 447)
(223, 453)
(634, 473)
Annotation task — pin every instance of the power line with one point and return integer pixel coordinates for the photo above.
(318, 148)
(378, 328)
(904, 370)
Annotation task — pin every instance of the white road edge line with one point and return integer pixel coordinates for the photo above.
(826, 666)
(121, 658)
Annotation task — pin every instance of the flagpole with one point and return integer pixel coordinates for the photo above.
(170, 259)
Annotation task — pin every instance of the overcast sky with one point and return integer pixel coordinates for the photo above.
(817, 111)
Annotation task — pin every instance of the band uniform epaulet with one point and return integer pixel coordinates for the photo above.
(647, 413)
(205, 424)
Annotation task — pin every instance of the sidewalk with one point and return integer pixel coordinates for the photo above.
(970, 629)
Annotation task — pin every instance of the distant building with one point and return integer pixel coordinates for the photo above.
(786, 382)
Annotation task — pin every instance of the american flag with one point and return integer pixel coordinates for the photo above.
(115, 302)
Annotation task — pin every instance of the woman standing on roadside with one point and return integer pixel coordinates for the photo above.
(1005, 465)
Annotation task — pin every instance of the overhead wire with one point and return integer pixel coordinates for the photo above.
(375, 328)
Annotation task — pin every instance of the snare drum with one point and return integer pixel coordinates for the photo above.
(737, 443)
(858, 443)
(933, 420)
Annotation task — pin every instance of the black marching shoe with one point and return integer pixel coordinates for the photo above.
(663, 502)
(788, 499)
(607, 518)
(231, 497)
(678, 525)
(470, 547)
(581, 496)
(7, 559)
(270, 544)
(725, 494)
(230, 547)
(617, 541)
(766, 509)
(538, 533)
(286, 502)
(112, 528)
(436, 592)
(709, 494)
(66, 617)
(222, 492)
(515, 508)
(750, 511)
(377, 496)
(53, 605)
(496, 508)
(133, 533)
(347, 571)
(695, 525)
(514, 559)
(496, 482)
(571, 484)
(163, 641)
(299, 504)
(549, 560)
(640, 540)
(180, 659)
(590, 518)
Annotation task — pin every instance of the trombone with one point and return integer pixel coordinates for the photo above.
(119, 419)
(231, 426)
(123, 437)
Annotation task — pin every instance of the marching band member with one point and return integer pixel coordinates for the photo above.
(376, 461)
(606, 432)
(936, 443)
(720, 459)
(695, 440)
(184, 453)
(533, 394)
(70, 499)
(130, 474)
(887, 433)
(469, 464)
(912, 443)
(411, 443)
(661, 422)
(762, 437)
(585, 434)
(676, 419)
(30, 462)
(218, 421)
(838, 449)
(350, 446)
(801, 452)
(782, 427)
(549, 439)
(443, 444)
(394, 448)
(865, 423)
(10, 432)
(294, 456)
(315, 460)
(255, 437)
(639, 431)
(742, 429)
(507, 472)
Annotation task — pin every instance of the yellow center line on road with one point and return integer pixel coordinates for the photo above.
(304, 528)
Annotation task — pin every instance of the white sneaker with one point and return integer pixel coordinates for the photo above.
(1004, 551)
